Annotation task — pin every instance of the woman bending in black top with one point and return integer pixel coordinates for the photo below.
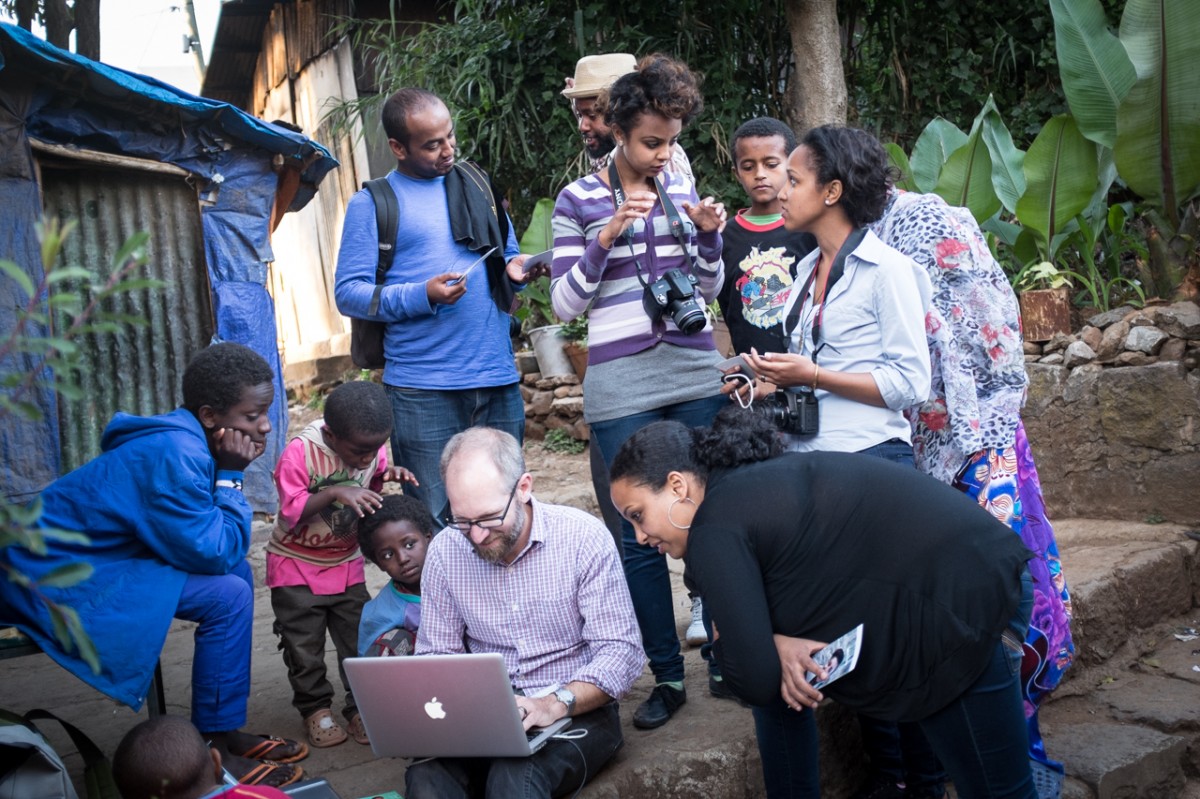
(939, 586)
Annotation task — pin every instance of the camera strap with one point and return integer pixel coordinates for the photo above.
(836, 269)
(674, 223)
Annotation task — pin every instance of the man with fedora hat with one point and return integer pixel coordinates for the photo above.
(593, 75)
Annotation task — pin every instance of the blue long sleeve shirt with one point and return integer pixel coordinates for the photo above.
(442, 347)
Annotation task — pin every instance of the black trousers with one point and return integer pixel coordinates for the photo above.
(557, 769)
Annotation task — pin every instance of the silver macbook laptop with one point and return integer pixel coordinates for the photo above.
(442, 706)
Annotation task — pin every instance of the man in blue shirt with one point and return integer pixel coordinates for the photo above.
(448, 355)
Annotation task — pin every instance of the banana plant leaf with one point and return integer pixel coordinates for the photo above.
(1060, 176)
(1158, 123)
(1095, 69)
(1008, 180)
(900, 161)
(966, 178)
(539, 236)
(932, 149)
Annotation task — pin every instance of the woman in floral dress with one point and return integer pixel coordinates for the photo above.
(969, 432)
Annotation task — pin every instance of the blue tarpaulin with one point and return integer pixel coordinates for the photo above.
(62, 98)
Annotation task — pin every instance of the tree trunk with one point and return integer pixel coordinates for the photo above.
(25, 10)
(58, 23)
(817, 87)
(87, 28)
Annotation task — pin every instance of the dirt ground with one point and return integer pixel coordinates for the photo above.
(352, 769)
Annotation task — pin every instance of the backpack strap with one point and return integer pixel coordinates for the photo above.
(387, 222)
(97, 772)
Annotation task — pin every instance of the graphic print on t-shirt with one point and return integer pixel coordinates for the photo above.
(764, 284)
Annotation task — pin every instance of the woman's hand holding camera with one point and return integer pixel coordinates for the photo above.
(637, 205)
(708, 216)
(784, 369)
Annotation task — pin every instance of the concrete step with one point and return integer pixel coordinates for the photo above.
(1124, 577)
(1119, 761)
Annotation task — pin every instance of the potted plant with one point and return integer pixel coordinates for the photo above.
(1043, 291)
(576, 348)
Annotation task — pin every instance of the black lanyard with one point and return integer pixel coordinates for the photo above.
(673, 220)
(835, 273)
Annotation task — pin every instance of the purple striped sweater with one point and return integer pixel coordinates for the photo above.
(587, 277)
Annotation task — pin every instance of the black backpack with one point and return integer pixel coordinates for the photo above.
(366, 335)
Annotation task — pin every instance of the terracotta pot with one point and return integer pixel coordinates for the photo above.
(1045, 312)
(578, 355)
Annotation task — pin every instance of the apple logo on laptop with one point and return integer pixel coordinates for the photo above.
(433, 709)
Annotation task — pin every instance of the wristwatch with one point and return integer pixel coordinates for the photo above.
(565, 696)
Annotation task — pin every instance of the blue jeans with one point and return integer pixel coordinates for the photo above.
(788, 746)
(645, 569)
(425, 420)
(223, 607)
(981, 736)
(557, 769)
(900, 752)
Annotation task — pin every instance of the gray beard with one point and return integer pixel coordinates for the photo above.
(509, 539)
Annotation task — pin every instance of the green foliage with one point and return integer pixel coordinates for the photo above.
(561, 441)
(50, 329)
(1096, 71)
(500, 65)
(576, 329)
(909, 62)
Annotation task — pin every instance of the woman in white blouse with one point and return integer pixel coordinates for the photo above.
(856, 321)
(857, 346)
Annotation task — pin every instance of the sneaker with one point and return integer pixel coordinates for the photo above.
(695, 631)
(657, 710)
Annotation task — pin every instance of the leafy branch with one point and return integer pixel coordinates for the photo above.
(51, 362)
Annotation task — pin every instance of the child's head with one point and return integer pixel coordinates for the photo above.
(358, 421)
(394, 538)
(165, 758)
(760, 152)
(228, 385)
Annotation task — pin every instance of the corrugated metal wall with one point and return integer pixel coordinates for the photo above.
(139, 369)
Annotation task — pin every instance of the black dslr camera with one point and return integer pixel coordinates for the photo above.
(795, 412)
(675, 293)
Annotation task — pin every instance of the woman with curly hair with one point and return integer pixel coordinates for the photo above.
(940, 588)
(636, 248)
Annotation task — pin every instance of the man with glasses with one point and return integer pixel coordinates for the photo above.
(541, 585)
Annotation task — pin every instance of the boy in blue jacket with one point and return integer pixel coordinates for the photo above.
(168, 530)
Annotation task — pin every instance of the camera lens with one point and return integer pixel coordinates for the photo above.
(688, 317)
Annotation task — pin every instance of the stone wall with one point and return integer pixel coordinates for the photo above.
(1113, 416)
(553, 403)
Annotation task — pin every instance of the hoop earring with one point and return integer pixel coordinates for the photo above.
(671, 506)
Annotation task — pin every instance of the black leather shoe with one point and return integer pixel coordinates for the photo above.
(655, 711)
(721, 690)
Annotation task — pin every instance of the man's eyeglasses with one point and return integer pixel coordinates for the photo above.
(488, 523)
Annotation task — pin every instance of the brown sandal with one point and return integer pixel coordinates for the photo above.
(357, 730)
(323, 729)
(275, 775)
(276, 750)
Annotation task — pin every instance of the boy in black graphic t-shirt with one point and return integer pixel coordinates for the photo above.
(760, 254)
